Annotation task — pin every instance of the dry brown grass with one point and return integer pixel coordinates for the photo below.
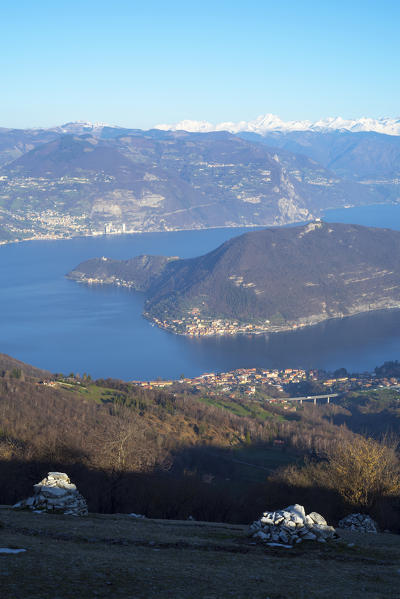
(115, 556)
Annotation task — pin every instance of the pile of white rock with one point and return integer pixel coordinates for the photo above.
(359, 523)
(291, 525)
(55, 493)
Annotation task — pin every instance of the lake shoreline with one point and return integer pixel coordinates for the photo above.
(49, 321)
(98, 234)
(132, 233)
(272, 330)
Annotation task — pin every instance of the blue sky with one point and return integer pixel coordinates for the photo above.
(142, 63)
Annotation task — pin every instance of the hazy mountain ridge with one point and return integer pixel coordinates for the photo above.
(367, 157)
(163, 181)
(17, 142)
(78, 178)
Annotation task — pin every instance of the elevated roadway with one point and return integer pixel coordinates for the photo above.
(312, 398)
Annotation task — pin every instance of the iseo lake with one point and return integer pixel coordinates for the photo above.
(57, 324)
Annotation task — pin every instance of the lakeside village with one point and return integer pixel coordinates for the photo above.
(194, 326)
(274, 385)
(52, 225)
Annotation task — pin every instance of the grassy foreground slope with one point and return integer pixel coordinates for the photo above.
(120, 557)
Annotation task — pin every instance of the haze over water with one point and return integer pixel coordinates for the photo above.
(57, 324)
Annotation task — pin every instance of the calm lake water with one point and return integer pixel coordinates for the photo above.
(54, 323)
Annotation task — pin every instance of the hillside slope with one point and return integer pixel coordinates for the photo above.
(12, 365)
(367, 157)
(157, 180)
(291, 275)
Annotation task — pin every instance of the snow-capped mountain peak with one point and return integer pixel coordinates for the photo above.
(270, 122)
(78, 127)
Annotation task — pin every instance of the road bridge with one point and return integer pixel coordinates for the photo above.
(313, 398)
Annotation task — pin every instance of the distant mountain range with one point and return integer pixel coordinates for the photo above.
(366, 157)
(83, 178)
(268, 280)
(271, 122)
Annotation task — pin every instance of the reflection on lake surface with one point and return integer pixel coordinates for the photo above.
(54, 323)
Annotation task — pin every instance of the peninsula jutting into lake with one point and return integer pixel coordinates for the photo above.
(272, 280)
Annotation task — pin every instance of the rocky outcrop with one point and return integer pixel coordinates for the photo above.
(55, 494)
(359, 523)
(291, 526)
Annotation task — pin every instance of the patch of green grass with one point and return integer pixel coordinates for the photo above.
(376, 398)
(225, 404)
(243, 408)
(93, 392)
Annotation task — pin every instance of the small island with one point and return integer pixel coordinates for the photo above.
(273, 280)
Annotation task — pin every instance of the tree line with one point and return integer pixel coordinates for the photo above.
(171, 455)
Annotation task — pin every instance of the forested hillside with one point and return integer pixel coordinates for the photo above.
(276, 279)
(171, 454)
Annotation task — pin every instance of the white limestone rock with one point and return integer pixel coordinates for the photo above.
(58, 476)
(359, 523)
(297, 510)
(317, 518)
(55, 493)
(323, 531)
(291, 526)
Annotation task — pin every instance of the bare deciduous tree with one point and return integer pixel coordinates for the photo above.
(363, 470)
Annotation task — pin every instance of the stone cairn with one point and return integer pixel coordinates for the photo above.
(55, 494)
(359, 523)
(290, 526)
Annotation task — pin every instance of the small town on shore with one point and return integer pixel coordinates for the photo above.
(194, 326)
(50, 224)
(270, 385)
(260, 382)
